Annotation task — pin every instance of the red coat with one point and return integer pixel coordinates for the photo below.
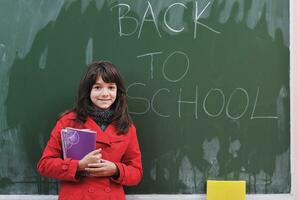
(123, 150)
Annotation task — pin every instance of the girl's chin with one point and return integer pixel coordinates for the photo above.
(103, 107)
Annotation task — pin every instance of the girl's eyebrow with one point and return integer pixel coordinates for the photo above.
(104, 83)
(112, 83)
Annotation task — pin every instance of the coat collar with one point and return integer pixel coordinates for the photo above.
(102, 136)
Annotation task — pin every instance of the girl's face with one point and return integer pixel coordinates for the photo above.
(103, 94)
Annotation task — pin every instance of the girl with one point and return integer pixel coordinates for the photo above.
(100, 106)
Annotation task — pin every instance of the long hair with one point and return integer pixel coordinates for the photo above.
(109, 74)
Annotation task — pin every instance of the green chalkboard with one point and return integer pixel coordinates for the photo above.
(207, 82)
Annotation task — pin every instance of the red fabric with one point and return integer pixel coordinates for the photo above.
(123, 150)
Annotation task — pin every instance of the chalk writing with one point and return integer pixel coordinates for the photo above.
(149, 20)
(195, 102)
(229, 100)
(186, 70)
(165, 18)
(254, 109)
(205, 99)
(125, 16)
(173, 54)
(151, 61)
(197, 17)
(151, 103)
(139, 98)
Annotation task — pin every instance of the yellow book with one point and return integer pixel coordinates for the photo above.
(226, 190)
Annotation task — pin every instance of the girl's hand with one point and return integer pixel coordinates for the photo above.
(103, 168)
(92, 157)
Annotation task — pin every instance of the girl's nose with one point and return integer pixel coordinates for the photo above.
(104, 92)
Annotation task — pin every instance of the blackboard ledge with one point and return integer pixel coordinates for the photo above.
(156, 197)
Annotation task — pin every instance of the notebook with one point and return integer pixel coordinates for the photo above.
(76, 143)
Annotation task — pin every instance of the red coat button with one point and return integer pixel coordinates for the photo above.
(107, 189)
(91, 189)
(65, 167)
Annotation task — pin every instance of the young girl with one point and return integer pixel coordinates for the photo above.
(100, 106)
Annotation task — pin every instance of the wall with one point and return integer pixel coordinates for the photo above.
(296, 100)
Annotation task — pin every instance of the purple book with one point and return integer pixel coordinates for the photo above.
(76, 143)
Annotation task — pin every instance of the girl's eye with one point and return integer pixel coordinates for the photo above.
(112, 87)
(97, 87)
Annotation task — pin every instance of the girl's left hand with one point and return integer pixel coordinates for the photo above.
(102, 169)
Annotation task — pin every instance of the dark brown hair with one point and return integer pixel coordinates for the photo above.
(109, 74)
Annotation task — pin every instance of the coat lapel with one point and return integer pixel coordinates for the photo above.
(101, 136)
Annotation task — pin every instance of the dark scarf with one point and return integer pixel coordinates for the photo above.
(102, 117)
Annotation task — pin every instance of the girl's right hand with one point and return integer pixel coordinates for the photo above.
(92, 157)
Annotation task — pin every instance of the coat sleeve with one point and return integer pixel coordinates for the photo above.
(130, 167)
(51, 163)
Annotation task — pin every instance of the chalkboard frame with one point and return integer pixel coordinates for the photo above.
(169, 197)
